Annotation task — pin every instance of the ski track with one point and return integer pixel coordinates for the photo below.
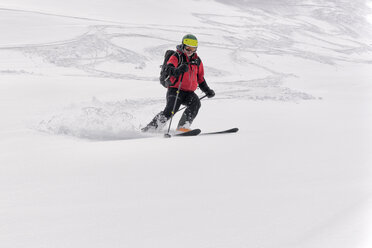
(102, 52)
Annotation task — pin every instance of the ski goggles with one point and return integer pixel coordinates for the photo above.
(190, 49)
(190, 42)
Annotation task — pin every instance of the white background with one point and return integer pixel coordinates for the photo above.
(78, 79)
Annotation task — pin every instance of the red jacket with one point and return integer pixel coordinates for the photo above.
(192, 78)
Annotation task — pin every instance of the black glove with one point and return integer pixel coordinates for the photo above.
(183, 68)
(179, 70)
(208, 91)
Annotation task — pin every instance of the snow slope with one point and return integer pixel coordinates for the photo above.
(79, 78)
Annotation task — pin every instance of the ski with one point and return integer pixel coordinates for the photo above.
(232, 130)
(192, 132)
(197, 131)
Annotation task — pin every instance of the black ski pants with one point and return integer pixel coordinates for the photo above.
(187, 98)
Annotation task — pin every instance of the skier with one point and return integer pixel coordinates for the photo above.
(186, 69)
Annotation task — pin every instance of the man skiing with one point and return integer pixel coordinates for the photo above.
(186, 73)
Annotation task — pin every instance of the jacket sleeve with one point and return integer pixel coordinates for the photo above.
(204, 87)
(201, 73)
(173, 60)
(201, 80)
(172, 65)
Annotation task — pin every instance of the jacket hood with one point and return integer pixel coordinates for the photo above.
(179, 48)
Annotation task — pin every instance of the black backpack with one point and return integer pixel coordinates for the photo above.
(164, 73)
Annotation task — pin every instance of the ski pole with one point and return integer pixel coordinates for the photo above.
(167, 135)
(185, 107)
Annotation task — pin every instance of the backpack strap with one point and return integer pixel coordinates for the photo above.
(179, 57)
(196, 61)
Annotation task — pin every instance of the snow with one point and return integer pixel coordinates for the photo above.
(79, 78)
